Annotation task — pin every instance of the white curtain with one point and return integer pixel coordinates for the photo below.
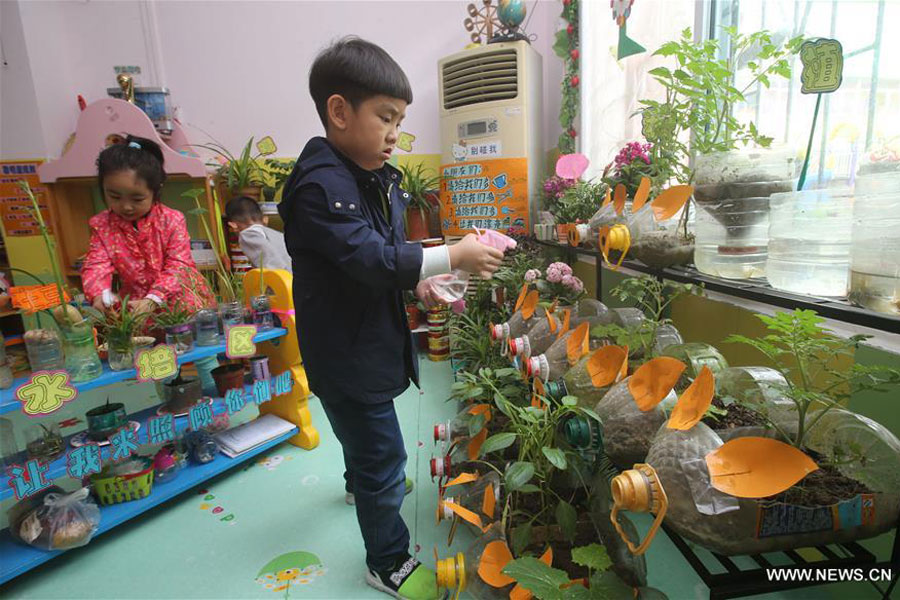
(610, 88)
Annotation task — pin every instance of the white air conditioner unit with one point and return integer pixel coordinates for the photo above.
(491, 137)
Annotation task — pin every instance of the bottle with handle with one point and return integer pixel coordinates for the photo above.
(611, 211)
(644, 218)
(705, 490)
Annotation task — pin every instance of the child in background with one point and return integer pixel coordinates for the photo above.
(343, 213)
(245, 216)
(142, 241)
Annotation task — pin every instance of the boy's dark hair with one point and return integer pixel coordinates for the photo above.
(137, 154)
(244, 209)
(357, 70)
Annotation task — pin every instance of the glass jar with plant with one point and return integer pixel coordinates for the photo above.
(241, 174)
(261, 305)
(120, 327)
(421, 184)
(175, 319)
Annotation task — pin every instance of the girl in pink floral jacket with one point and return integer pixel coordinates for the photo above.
(139, 239)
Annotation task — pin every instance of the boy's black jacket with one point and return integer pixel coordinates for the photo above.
(351, 262)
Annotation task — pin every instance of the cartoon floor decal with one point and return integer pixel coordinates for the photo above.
(291, 569)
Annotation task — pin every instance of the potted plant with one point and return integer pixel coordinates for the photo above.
(120, 328)
(420, 185)
(242, 174)
(175, 319)
(696, 118)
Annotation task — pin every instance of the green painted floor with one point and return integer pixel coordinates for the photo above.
(291, 501)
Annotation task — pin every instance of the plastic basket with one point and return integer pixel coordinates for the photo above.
(123, 488)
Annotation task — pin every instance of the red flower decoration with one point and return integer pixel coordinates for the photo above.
(570, 29)
(574, 54)
(574, 81)
(572, 133)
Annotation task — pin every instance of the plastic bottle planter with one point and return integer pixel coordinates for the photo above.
(458, 457)
(526, 310)
(592, 375)
(695, 355)
(666, 335)
(632, 411)
(45, 351)
(588, 307)
(546, 329)
(82, 361)
(461, 427)
(560, 356)
(471, 498)
(480, 570)
(262, 312)
(874, 268)
(711, 492)
(206, 323)
(181, 337)
(762, 390)
(231, 313)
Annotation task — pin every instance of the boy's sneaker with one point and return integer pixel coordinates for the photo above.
(408, 579)
(351, 499)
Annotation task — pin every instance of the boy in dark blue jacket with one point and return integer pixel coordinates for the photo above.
(343, 211)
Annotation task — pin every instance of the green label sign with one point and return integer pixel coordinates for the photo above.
(823, 66)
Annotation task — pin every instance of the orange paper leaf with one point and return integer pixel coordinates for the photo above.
(495, 557)
(567, 319)
(670, 201)
(605, 365)
(640, 197)
(474, 448)
(462, 478)
(607, 199)
(619, 198)
(521, 299)
(539, 392)
(653, 380)
(552, 322)
(757, 467)
(693, 402)
(530, 304)
(577, 344)
(481, 409)
(489, 502)
(464, 513)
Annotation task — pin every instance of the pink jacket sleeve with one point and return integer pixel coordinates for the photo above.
(176, 260)
(97, 271)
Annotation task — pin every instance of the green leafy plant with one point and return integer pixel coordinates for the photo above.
(483, 384)
(240, 171)
(419, 182)
(548, 583)
(807, 355)
(654, 297)
(228, 286)
(169, 315)
(118, 325)
(578, 202)
(275, 172)
(701, 93)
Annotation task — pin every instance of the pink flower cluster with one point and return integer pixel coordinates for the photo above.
(573, 283)
(532, 275)
(557, 271)
(555, 187)
(632, 152)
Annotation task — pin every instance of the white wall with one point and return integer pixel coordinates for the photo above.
(235, 69)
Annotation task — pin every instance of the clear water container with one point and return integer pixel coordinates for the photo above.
(875, 248)
(732, 195)
(809, 241)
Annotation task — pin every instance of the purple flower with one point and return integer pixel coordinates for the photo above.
(532, 274)
(554, 275)
(563, 268)
(577, 285)
(568, 280)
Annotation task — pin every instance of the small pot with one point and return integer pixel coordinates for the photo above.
(182, 393)
(229, 377)
(416, 224)
(103, 421)
(562, 232)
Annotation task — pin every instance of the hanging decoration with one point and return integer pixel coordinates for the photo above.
(621, 10)
(566, 47)
(482, 21)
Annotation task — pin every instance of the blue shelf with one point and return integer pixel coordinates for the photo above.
(57, 468)
(17, 558)
(9, 403)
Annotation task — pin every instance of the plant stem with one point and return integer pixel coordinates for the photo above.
(51, 248)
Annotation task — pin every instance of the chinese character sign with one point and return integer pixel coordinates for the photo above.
(45, 392)
(124, 443)
(283, 383)
(823, 66)
(156, 363)
(15, 207)
(83, 461)
(29, 479)
(239, 341)
(161, 429)
(484, 193)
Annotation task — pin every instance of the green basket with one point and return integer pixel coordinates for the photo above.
(113, 489)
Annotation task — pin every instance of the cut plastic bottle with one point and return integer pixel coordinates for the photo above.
(526, 314)
(592, 376)
(459, 456)
(459, 428)
(560, 356)
(471, 498)
(545, 331)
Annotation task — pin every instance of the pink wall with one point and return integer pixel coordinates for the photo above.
(235, 69)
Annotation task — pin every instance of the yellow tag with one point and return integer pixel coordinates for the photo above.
(266, 146)
(156, 363)
(239, 342)
(404, 142)
(45, 392)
